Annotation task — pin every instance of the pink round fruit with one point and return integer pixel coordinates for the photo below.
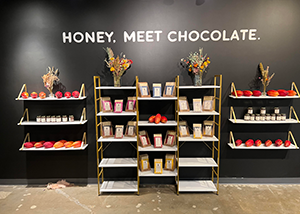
(249, 143)
(268, 143)
(34, 95)
(257, 142)
(278, 142)
(238, 142)
(25, 95)
(58, 94)
(287, 143)
(68, 94)
(75, 94)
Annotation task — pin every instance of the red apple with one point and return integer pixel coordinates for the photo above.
(268, 143)
(77, 144)
(273, 93)
(42, 95)
(75, 94)
(249, 143)
(68, 94)
(151, 119)
(256, 93)
(282, 92)
(291, 93)
(287, 143)
(163, 119)
(34, 95)
(247, 93)
(157, 118)
(58, 94)
(238, 142)
(38, 145)
(278, 142)
(238, 92)
(25, 95)
(258, 143)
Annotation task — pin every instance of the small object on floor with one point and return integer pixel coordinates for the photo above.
(59, 184)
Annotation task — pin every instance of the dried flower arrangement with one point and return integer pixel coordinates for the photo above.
(196, 64)
(117, 65)
(49, 79)
(265, 79)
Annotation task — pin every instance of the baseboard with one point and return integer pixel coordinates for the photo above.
(233, 180)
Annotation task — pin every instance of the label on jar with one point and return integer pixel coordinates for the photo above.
(273, 117)
(262, 111)
(246, 117)
(276, 110)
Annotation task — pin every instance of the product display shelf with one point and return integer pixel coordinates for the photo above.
(82, 120)
(290, 137)
(157, 98)
(168, 123)
(106, 162)
(293, 86)
(213, 161)
(153, 149)
(24, 89)
(27, 139)
(165, 173)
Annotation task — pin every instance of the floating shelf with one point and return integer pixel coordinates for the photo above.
(197, 162)
(116, 88)
(241, 121)
(199, 87)
(243, 146)
(152, 149)
(168, 123)
(52, 98)
(124, 113)
(197, 186)
(118, 162)
(264, 97)
(111, 139)
(119, 186)
(52, 149)
(157, 98)
(214, 138)
(166, 173)
(27, 123)
(198, 113)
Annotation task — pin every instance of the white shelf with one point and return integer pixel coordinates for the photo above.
(76, 122)
(157, 98)
(287, 121)
(197, 162)
(112, 139)
(118, 162)
(124, 113)
(199, 113)
(191, 139)
(116, 88)
(152, 149)
(168, 123)
(292, 146)
(52, 149)
(119, 186)
(197, 186)
(166, 173)
(198, 87)
(264, 97)
(52, 98)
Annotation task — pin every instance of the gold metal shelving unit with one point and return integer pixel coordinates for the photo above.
(113, 186)
(213, 162)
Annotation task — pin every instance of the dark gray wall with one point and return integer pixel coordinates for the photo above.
(31, 40)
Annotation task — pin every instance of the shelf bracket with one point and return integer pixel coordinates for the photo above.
(83, 115)
(294, 112)
(133, 146)
(290, 135)
(232, 113)
(27, 139)
(82, 91)
(23, 88)
(24, 114)
(232, 88)
(231, 138)
(292, 88)
(83, 139)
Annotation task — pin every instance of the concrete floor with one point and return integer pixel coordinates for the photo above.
(233, 199)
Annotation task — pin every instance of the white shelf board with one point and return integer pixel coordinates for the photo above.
(27, 123)
(157, 98)
(52, 98)
(112, 139)
(52, 149)
(198, 113)
(116, 88)
(198, 87)
(191, 139)
(197, 162)
(119, 186)
(168, 123)
(124, 113)
(166, 173)
(287, 121)
(118, 162)
(197, 186)
(292, 146)
(152, 149)
(264, 97)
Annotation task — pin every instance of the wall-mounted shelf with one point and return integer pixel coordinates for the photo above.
(192, 113)
(241, 121)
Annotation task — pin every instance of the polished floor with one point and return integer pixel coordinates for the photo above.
(233, 199)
